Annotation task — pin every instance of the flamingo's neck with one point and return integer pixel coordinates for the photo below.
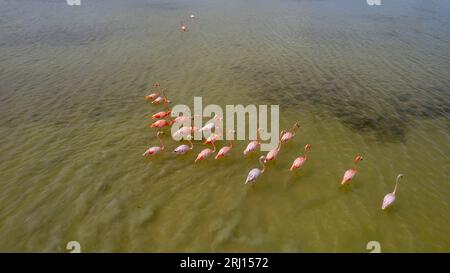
(356, 165)
(258, 137)
(263, 165)
(231, 143)
(160, 142)
(214, 145)
(306, 154)
(191, 145)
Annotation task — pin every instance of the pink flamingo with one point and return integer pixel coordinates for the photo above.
(184, 131)
(255, 173)
(155, 149)
(350, 173)
(289, 135)
(205, 153)
(182, 149)
(299, 161)
(389, 199)
(254, 144)
(210, 125)
(161, 123)
(225, 149)
(212, 138)
(153, 95)
(162, 114)
(272, 154)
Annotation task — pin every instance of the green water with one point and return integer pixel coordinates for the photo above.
(360, 79)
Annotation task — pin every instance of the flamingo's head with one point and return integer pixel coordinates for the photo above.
(282, 133)
(159, 133)
(307, 147)
(297, 125)
(399, 176)
(358, 158)
(262, 158)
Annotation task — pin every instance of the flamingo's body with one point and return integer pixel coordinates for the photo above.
(162, 114)
(389, 199)
(185, 131)
(160, 99)
(155, 149)
(160, 123)
(212, 138)
(205, 153)
(253, 145)
(350, 173)
(255, 173)
(290, 134)
(299, 161)
(152, 96)
(210, 125)
(224, 150)
(182, 149)
(272, 154)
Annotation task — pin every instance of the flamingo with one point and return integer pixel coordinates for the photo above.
(182, 149)
(299, 161)
(162, 114)
(184, 131)
(289, 135)
(390, 197)
(161, 99)
(272, 154)
(350, 173)
(161, 123)
(155, 149)
(210, 125)
(183, 28)
(154, 95)
(255, 173)
(254, 144)
(205, 153)
(225, 149)
(212, 138)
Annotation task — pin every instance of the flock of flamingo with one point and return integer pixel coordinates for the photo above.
(164, 119)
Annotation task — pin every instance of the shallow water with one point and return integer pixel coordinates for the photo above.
(360, 79)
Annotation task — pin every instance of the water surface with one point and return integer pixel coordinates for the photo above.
(359, 78)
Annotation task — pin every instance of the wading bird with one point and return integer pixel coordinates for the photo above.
(299, 161)
(161, 123)
(210, 125)
(153, 95)
(212, 138)
(162, 114)
(350, 173)
(225, 149)
(290, 134)
(255, 173)
(205, 153)
(155, 149)
(272, 154)
(389, 199)
(254, 144)
(182, 149)
(184, 131)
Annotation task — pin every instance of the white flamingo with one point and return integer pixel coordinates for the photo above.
(255, 173)
(389, 199)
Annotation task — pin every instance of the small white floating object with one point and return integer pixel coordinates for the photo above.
(192, 16)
